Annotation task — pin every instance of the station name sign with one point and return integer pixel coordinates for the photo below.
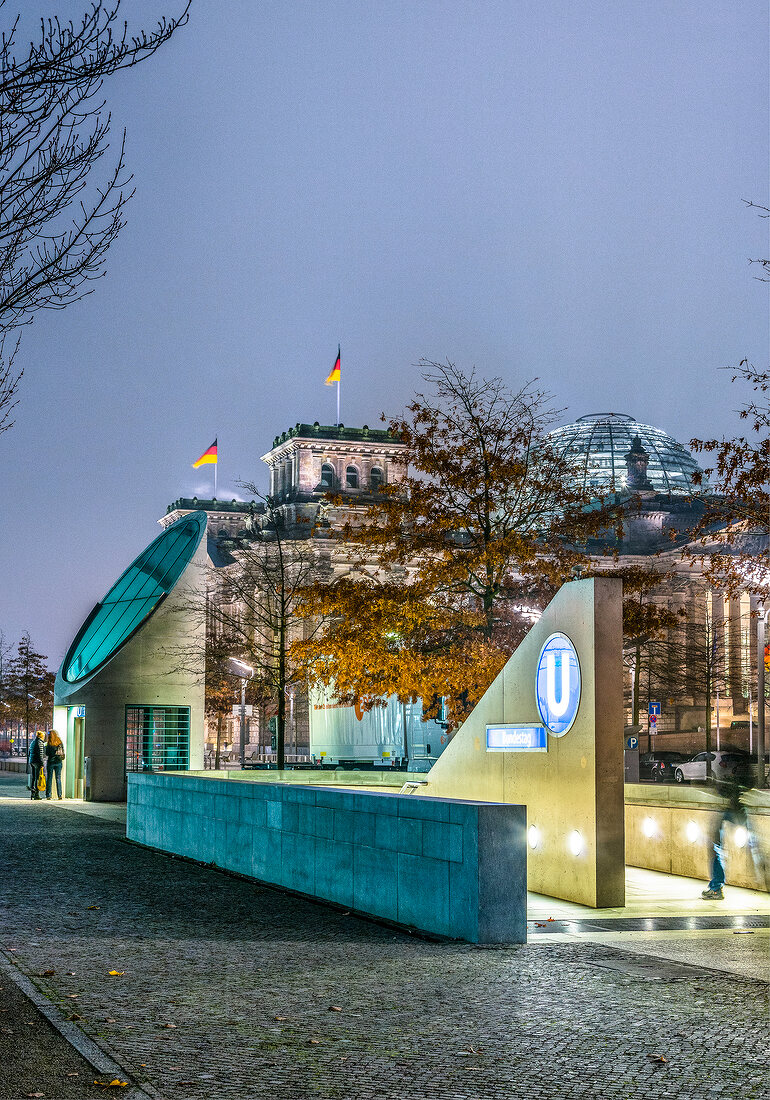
(517, 738)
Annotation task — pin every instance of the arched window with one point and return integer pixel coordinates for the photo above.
(327, 476)
(351, 477)
(376, 479)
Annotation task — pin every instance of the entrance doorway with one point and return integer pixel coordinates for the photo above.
(78, 742)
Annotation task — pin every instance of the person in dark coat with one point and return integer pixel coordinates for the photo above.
(36, 760)
(54, 756)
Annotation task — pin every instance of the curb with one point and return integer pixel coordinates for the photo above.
(102, 1061)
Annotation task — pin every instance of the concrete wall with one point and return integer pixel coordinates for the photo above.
(671, 829)
(577, 785)
(453, 868)
(157, 667)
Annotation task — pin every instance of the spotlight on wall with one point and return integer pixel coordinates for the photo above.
(740, 837)
(575, 842)
(533, 836)
(649, 828)
(692, 832)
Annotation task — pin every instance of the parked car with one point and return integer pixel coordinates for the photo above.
(724, 765)
(659, 766)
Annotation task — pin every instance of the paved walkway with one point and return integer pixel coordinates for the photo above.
(228, 989)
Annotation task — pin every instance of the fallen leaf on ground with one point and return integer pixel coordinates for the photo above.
(47, 973)
(335, 1008)
(114, 1084)
(281, 1017)
(470, 1050)
(314, 1042)
(657, 1058)
(109, 1020)
(166, 1025)
(93, 907)
(34, 1094)
(71, 1074)
(74, 1016)
(72, 996)
(117, 973)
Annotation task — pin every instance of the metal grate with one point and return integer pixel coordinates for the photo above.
(157, 739)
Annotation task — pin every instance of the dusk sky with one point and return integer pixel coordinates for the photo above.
(539, 188)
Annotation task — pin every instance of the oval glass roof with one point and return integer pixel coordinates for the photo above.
(134, 597)
(598, 443)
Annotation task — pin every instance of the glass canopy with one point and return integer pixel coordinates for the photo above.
(134, 597)
(597, 445)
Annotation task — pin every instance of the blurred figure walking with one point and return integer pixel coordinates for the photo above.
(734, 815)
(54, 753)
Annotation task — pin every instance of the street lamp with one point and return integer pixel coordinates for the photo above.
(244, 672)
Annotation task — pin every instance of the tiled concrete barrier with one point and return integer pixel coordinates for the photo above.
(445, 866)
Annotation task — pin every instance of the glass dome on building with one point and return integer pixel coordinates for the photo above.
(598, 444)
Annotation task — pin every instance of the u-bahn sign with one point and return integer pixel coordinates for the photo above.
(557, 684)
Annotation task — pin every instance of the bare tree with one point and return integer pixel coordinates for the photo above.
(256, 602)
(9, 384)
(687, 665)
(56, 222)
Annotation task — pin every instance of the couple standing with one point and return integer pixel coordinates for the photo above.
(49, 752)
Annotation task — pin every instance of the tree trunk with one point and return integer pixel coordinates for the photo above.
(637, 678)
(219, 742)
(280, 732)
(708, 733)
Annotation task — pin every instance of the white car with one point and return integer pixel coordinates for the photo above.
(724, 765)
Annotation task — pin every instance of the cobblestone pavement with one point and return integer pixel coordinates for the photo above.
(228, 989)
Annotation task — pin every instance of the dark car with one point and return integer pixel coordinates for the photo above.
(659, 767)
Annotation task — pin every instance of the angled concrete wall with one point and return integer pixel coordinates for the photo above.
(576, 786)
(453, 868)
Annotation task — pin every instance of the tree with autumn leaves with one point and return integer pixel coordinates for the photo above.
(732, 538)
(449, 567)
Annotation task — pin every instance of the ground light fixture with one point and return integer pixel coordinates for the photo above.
(533, 836)
(649, 828)
(692, 832)
(575, 842)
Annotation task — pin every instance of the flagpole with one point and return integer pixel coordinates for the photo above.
(338, 402)
(215, 476)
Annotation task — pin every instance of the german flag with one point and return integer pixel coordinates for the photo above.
(208, 456)
(335, 374)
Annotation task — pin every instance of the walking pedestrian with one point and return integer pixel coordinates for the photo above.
(54, 753)
(734, 814)
(36, 761)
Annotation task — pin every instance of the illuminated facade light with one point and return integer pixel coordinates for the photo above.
(533, 836)
(740, 837)
(575, 842)
(692, 832)
(649, 828)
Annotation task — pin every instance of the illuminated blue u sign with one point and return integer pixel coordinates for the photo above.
(557, 684)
